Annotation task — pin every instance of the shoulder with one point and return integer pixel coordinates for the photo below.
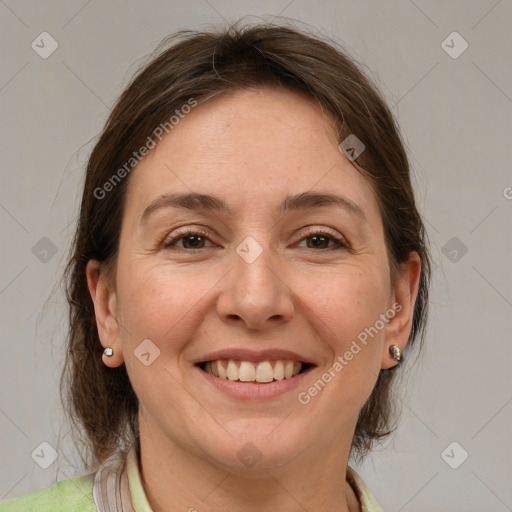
(366, 498)
(74, 494)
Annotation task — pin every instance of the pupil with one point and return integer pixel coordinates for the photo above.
(191, 238)
(319, 239)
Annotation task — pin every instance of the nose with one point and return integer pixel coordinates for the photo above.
(256, 293)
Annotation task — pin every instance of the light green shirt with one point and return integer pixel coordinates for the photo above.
(83, 494)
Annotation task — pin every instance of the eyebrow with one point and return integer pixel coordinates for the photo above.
(212, 203)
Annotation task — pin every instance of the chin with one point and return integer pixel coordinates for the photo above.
(256, 446)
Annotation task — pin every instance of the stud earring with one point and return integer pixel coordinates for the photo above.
(396, 353)
(109, 352)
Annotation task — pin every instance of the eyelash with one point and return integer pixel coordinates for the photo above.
(186, 232)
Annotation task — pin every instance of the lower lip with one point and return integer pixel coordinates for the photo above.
(255, 390)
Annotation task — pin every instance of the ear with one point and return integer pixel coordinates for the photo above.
(105, 310)
(403, 299)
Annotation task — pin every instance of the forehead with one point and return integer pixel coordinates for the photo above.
(252, 147)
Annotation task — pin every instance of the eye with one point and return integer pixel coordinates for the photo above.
(193, 238)
(321, 238)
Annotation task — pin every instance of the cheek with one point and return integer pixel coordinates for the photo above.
(347, 301)
(349, 304)
(163, 305)
(165, 308)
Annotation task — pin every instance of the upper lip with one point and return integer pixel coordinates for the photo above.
(254, 356)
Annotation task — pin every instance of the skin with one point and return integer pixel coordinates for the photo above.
(251, 148)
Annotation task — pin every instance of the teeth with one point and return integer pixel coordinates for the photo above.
(247, 371)
(264, 372)
(288, 369)
(279, 370)
(222, 371)
(232, 370)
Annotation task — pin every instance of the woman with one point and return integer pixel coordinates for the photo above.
(248, 268)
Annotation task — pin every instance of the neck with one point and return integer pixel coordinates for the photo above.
(177, 479)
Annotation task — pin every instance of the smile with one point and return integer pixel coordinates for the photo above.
(249, 371)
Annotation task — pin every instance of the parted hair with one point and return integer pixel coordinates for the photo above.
(100, 401)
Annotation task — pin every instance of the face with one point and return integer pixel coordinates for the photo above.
(278, 274)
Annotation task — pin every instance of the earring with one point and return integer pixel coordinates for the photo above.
(109, 352)
(395, 352)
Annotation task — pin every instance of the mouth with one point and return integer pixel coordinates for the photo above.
(255, 372)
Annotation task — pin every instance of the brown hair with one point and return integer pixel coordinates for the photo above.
(101, 401)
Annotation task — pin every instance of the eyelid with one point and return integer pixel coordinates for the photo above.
(186, 231)
(309, 231)
(321, 230)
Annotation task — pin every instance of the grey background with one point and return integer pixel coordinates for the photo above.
(456, 114)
